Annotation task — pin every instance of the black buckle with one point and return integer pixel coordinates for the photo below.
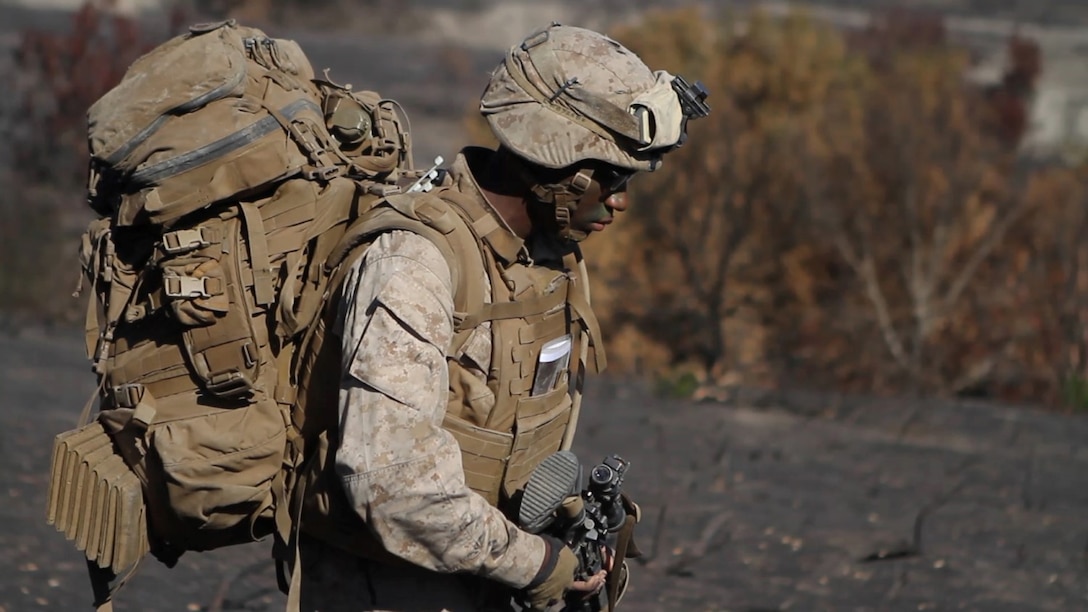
(231, 383)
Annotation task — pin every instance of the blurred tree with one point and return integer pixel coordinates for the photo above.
(1043, 286)
(915, 195)
(852, 215)
(374, 16)
(60, 74)
(54, 77)
(699, 269)
(1009, 99)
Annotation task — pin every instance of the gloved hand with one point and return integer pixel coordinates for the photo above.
(556, 577)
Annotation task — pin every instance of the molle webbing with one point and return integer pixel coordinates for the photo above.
(502, 242)
(515, 310)
(529, 306)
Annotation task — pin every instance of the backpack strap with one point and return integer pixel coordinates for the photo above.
(258, 254)
(484, 225)
(580, 304)
(438, 222)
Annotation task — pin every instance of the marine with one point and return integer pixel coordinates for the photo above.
(452, 310)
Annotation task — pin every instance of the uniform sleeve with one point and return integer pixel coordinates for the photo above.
(400, 469)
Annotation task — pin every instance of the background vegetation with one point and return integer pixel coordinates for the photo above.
(51, 80)
(853, 215)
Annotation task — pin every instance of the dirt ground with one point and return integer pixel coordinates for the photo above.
(784, 502)
(775, 502)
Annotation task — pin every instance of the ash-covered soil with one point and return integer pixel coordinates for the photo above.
(784, 502)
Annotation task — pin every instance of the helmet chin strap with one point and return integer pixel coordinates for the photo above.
(564, 196)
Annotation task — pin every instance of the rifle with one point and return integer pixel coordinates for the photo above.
(593, 520)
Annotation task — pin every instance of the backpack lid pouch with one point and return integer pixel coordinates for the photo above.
(177, 77)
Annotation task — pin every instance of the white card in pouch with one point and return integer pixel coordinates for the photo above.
(554, 359)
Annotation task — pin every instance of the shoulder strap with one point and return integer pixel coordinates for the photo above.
(483, 223)
(433, 219)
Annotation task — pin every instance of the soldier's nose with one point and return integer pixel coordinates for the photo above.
(617, 201)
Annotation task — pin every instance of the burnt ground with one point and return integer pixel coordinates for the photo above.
(785, 502)
(771, 503)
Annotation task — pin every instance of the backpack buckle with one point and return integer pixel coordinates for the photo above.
(185, 287)
(231, 383)
(127, 395)
(323, 173)
(184, 240)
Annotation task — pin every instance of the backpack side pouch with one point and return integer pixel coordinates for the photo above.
(96, 500)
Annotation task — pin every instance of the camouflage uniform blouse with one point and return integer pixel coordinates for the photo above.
(400, 469)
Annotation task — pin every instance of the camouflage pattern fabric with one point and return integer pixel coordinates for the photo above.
(400, 469)
(568, 94)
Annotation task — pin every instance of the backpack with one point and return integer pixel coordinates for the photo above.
(224, 175)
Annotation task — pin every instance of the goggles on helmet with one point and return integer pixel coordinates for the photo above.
(612, 179)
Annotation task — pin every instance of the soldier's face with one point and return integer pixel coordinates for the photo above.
(607, 195)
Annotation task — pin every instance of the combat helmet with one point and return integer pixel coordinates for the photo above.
(568, 95)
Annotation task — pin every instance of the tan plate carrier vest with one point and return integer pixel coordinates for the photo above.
(503, 434)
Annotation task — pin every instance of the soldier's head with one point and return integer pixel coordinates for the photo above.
(583, 114)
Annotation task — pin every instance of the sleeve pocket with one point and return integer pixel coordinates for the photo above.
(401, 350)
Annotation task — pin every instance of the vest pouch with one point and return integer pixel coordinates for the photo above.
(483, 456)
(206, 290)
(470, 398)
(113, 261)
(217, 468)
(92, 250)
(540, 423)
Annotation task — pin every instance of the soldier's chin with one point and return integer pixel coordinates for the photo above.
(572, 235)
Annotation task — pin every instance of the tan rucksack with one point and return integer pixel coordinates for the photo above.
(225, 174)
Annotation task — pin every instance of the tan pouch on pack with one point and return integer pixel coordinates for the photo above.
(221, 111)
(96, 500)
(60, 478)
(79, 445)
